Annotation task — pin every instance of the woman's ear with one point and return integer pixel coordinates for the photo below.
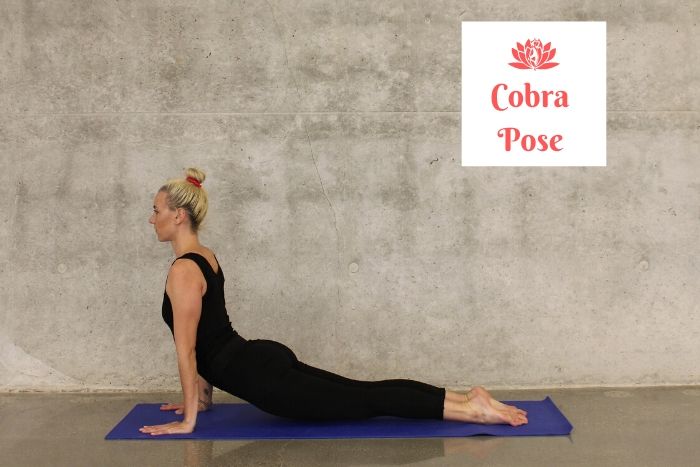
(180, 215)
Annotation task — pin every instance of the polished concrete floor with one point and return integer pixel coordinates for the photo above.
(612, 427)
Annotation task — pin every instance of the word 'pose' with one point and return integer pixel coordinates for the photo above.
(529, 142)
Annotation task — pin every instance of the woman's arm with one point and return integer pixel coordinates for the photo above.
(185, 286)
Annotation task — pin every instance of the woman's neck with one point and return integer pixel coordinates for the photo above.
(185, 242)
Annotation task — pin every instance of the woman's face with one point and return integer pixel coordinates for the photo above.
(163, 218)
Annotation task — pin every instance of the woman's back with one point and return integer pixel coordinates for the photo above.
(214, 329)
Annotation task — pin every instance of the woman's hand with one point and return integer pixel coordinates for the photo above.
(202, 406)
(168, 428)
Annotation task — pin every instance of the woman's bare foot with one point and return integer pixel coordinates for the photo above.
(480, 407)
(513, 415)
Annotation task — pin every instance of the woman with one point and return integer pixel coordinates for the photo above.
(262, 372)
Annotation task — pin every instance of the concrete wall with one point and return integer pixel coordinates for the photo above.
(345, 224)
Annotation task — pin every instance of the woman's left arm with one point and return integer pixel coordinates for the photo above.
(184, 287)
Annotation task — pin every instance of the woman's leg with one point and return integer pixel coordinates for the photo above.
(277, 382)
(416, 385)
(308, 392)
(477, 406)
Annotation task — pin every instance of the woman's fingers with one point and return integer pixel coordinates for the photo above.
(148, 428)
(156, 429)
(178, 408)
(167, 428)
(170, 406)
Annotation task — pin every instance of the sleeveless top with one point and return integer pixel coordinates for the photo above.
(214, 330)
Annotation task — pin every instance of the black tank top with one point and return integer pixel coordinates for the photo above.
(214, 330)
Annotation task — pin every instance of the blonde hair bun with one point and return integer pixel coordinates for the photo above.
(195, 173)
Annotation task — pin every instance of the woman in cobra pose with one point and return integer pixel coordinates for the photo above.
(263, 372)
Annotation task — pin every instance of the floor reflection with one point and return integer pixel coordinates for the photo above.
(335, 452)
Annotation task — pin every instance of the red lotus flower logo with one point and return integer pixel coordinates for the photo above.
(533, 56)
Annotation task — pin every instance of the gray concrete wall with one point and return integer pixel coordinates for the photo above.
(345, 224)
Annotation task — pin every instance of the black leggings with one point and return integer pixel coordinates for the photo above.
(268, 375)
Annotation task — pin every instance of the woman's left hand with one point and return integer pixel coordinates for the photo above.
(168, 428)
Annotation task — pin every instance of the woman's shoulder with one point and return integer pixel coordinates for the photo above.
(209, 256)
(182, 273)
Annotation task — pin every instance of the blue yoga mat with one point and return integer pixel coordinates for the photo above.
(245, 421)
